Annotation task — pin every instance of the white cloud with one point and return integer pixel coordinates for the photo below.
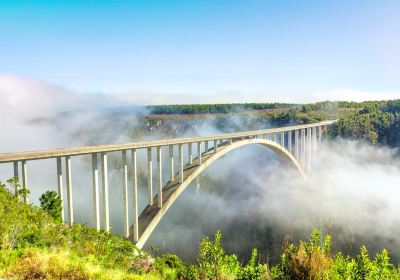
(21, 93)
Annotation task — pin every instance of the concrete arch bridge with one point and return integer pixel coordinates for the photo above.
(295, 144)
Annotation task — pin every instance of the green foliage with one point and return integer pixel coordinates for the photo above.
(52, 204)
(253, 270)
(215, 108)
(213, 262)
(170, 267)
(378, 122)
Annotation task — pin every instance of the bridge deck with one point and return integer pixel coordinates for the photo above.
(42, 154)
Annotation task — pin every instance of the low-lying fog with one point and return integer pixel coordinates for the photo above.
(255, 199)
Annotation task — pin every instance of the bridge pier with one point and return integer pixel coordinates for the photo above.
(309, 145)
(190, 154)
(290, 141)
(303, 148)
(171, 163)
(95, 179)
(314, 136)
(215, 146)
(283, 139)
(125, 193)
(180, 163)
(59, 184)
(296, 144)
(135, 197)
(199, 152)
(69, 190)
(104, 171)
(160, 183)
(319, 133)
(24, 180)
(16, 179)
(149, 177)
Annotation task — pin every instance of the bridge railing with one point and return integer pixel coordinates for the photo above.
(299, 140)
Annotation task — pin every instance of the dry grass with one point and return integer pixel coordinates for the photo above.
(45, 264)
(309, 265)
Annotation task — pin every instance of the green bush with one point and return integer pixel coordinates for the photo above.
(52, 204)
(253, 270)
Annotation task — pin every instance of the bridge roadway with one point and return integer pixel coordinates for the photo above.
(296, 144)
(43, 154)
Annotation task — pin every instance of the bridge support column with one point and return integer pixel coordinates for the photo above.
(283, 139)
(296, 144)
(95, 179)
(60, 186)
(199, 152)
(230, 141)
(171, 162)
(69, 190)
(309, 148)
(314, 139)
(24, 180)
(125, 193)
(104, 173)
(206, 146)
(16, 179)
(319, 133)
(215, 146)
(190, 153)
(160, 183)
(149, 177)
(135, 197)
(180, 163)
(290, 141)
(303, 147)
(274, 137)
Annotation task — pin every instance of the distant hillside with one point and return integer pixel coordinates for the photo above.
(216, 108)
(185, 109)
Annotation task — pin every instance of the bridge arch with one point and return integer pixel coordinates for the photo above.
(152, 215)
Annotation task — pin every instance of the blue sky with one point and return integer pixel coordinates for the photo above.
(204, 47)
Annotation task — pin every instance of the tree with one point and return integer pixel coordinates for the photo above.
(52, 204)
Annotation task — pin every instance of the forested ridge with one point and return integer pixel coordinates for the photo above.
(215, 108)
(240, 107)
(376, 122)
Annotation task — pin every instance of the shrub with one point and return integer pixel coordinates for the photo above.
(309, 260)
(52, 204)
(213, 262)
(253, 270)
(169, 266)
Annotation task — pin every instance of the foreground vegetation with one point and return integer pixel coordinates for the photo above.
(35, 245)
